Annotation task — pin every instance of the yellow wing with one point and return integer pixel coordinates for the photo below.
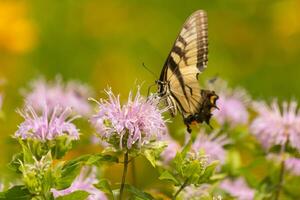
(186, 60)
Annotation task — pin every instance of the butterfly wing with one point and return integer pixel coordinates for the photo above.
(186, 60)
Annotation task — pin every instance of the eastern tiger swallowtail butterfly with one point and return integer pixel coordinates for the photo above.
(178, 83)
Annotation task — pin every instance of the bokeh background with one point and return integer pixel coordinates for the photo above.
(254, 44)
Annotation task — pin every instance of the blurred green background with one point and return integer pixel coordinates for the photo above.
(254, 44)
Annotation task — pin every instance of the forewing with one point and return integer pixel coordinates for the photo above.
(186, 60)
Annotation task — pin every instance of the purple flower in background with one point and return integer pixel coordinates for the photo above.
(238, 188)
(171, 150)
(43, 128)
(85, 181)
(232, 104)
(73, 94)
(273, 126)
(212, 145)
(139, 121)
(293, 165)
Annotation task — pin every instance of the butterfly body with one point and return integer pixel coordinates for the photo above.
(178, 83)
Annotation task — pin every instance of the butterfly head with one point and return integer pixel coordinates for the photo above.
(162, 87)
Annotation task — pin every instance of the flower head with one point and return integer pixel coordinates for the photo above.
(85, 181)
(238, 188)
(43, 128)
(232, 104)
(212, 145)
(72, 94)
(137, 122)
(274, 126)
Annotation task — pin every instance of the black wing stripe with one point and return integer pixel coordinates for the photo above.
(186, 60)
(176, 71)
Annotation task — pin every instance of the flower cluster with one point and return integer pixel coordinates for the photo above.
(274, 126)
(43, 128)
(84, 181)
(36, 174)
(72, 94)
(137, 122)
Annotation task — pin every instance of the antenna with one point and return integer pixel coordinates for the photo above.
(213, 79)
(143, 64)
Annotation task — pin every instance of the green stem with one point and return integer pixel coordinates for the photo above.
(124, 175)
(181, 188)
(133, 172)
(281, 174)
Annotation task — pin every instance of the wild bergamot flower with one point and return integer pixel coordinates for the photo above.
(232, 104)
(238, 188)
(44, 128)
(276, 126)
(134, 124)
(53, 93)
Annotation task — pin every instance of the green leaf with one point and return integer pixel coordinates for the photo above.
(209, 171)
(150, 157)
(100, 158)
(192, 168)
(72, 168)
(27, 154)
(218, 177)
(14, 164)
(138, 193)
(168, 176)
(19, 192)
(104, 186)
(69, 172)
(178, 163)
(77, 195)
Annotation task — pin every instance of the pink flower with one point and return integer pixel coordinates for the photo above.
(42, 127)
(171, 150)
(73, 94)
(212, 145)
(139, 121)
(85, 181)
(275, 127)
(232, 104)
(293, 165)
(238, 188)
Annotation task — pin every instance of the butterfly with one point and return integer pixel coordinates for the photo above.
(178, 83)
